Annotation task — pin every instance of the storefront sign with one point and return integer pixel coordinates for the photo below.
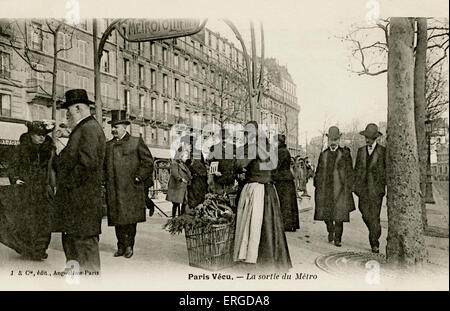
(158, 29)
(9, 142)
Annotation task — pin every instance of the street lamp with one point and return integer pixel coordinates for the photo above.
(429, 198)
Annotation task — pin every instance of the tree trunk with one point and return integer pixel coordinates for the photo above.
(420, 108)
(405, 242)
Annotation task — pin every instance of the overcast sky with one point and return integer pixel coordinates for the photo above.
(300, 34)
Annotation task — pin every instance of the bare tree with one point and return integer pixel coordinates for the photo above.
(23, 45)
(254, 67)
(226, 83)
(370, 50)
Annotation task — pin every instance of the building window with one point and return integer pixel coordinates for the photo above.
(126, 100)
(165, 109)
(5, 105)
(140, 48)
(195, 69)
(165, 56)
(176, 63)
(126, 69)
(106, 62)
(153, 134)
(83, 52)
(195, 93)
(177, 88)
(186, 90)
(166, 137)
(141, 75)
(64, 45)
(204, 95)
(165, 83)
(141, 104)
(186, 64)
(153, 78)
(5, 65)
(152, 51)
(83, 82)
(153, 108)
(37, 37)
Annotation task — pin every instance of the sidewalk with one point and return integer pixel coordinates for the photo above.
(161, 259)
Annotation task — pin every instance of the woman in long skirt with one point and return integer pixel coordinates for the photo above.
(29, 227)
(259, 236)
(284, 183)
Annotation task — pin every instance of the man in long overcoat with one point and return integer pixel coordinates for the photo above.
(370, 182)
(333, 182)
(79, 174)
(128, 164)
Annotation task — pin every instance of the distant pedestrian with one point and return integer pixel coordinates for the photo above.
(180, 178)
(79, 175)
(333, 182)
(284, 183)
(128, 164)
(370, 182)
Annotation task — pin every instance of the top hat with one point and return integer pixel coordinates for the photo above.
(334, 133)
(371, 131)
(76, 96)
(40, 127)
(118, 117)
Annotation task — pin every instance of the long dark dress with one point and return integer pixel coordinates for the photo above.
(198, 187)
(28, 215)
(284, 183)
(260, 236)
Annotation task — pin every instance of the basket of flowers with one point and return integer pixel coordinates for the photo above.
(209, 232)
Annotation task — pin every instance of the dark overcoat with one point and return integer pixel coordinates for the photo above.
(79, 175)
(125, 160)
(370, 179)
(198, 187)
(374, 172)
(177, 189)
(342, 187)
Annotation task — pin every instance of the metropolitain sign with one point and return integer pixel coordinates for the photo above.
(138, 30)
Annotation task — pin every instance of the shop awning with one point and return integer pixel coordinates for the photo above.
(10, 132)
(160, 153)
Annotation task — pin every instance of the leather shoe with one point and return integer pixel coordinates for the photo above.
(128, 252)
(119, 253)
(330, 237)
(338, 243)
(375, 250)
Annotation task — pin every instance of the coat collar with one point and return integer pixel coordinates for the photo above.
(125, 138)
(373, 158)
(85, 120)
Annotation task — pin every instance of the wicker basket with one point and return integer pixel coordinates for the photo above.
(212, 249)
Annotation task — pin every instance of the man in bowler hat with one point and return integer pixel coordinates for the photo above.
(370, 182)
(333, 181)
(128, 167)
(79, 173)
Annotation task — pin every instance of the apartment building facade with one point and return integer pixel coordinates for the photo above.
(159, 83)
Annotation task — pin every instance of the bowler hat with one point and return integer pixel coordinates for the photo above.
(76, 96)
(371, 131)
(334, 133)
(118, 117)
